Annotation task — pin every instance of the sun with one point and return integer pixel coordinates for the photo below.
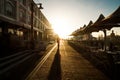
(61, 27)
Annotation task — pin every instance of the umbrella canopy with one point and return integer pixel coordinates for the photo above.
(111, 21)
(86, 29)
(101, 23)
(113, 18)
(75, 33)
(79, 31)
(95, 27)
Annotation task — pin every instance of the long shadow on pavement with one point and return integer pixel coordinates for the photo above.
(55, 71)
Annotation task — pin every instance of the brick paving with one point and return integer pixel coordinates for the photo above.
(65, 63)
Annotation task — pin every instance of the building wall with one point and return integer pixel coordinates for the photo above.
(19, 11)
(15, 21)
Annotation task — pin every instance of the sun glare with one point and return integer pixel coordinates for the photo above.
(61, 27)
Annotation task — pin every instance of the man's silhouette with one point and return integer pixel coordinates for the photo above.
(58, 41)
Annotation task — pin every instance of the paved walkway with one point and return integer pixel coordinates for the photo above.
(65, 63)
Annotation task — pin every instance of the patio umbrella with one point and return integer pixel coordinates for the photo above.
(86, 29)
(81, 30)
(112, 20)
(95, 27)
(75, 33)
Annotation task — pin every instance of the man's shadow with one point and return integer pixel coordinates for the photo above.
(55, 71)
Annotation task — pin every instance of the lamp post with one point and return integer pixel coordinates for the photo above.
(32, 21)
(31, 31)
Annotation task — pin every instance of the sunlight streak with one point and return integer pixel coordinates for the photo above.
(61, 27)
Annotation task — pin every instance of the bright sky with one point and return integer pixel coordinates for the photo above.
(68, 15)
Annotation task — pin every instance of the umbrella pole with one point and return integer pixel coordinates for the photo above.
(105, 35)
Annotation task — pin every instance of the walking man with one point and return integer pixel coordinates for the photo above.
(58, 41)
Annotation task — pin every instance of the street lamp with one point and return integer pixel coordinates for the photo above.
(32, 16)
(40, 6)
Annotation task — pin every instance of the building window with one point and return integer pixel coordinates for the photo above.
(29, 6)
(23, 2)
(19, 33)
(10, 10)
(22, 15)
(1, 6)
(0, 31)
(10, 31)
(29, 19)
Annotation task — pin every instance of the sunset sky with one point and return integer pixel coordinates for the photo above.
(68, 15)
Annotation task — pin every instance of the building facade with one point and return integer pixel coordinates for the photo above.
(17, 19)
